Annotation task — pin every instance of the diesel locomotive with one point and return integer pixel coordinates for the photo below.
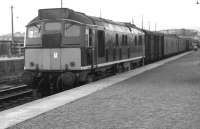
(64, 47)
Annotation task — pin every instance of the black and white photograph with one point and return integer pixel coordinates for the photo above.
(100, 64)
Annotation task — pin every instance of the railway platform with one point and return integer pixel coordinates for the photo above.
(166, 97)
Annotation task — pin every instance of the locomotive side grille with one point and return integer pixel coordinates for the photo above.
(51, 40)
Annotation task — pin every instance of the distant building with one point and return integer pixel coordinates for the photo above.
(5, 47)
(16, 49)
(186, 33)
(18, 46)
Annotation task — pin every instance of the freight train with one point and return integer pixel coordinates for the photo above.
(64, 47)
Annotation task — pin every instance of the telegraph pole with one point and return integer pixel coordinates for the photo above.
(149, 25)
(132, 21)
(61, 2)
(100, 12)
(12, 43)
(12, 25)
(142, 21)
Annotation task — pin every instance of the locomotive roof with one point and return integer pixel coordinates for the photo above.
(152, 32)
(65, 13)
(61, 13)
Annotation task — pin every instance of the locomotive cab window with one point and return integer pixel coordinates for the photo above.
(34, 31)
(72, 30)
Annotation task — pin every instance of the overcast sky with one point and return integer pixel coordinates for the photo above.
(166, 14)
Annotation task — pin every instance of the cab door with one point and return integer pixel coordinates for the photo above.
(100, 35)
(90, 51)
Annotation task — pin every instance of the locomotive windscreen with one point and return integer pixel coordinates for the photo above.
(56, 13)
(51, 40)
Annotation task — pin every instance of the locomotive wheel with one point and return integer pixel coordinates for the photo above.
(90, 78)
(59, 84)
(65, 81)
(43, 89)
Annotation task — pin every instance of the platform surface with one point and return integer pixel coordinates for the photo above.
(165, 97)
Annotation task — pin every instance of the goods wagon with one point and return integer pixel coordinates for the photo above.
(171, 45)
(154, 42)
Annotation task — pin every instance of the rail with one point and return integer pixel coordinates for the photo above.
(14, 92)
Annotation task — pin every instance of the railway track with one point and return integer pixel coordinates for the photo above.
(15, 95)
(12, 96)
